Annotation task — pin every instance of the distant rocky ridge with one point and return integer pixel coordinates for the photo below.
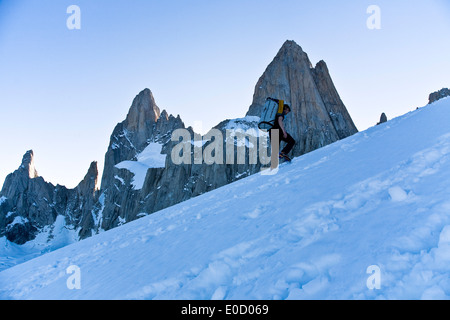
(139, 177)
(435, 96)
(29, 203)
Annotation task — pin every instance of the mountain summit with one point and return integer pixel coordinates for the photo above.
(130, 136)
(28, 164)
(318, 117)
(30, 205)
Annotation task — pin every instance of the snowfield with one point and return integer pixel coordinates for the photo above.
(367, 217)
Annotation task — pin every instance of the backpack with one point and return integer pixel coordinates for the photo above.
(271, 108)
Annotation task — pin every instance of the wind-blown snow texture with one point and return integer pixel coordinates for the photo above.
(379, 198)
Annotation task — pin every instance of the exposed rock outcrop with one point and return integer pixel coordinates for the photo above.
(30, 203)
(131, 136)
(121, 201)
(383, 118)
(435, 96)
(318, 115)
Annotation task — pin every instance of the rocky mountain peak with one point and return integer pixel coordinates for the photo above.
(142, 111)
(89, 183)
(30, 203)
(131, 136)
(144, 124)
(279, 77)
(291, 50)
(318, 115)
(28, 164)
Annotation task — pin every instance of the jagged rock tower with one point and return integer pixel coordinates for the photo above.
(318, 115)
(29, 203)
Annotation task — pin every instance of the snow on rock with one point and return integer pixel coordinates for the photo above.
(245, 129)
(246, 123)
(378, 200)
(49, 238)
(18, 220)
(151, 157)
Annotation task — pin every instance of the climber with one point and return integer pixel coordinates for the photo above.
(283, 135)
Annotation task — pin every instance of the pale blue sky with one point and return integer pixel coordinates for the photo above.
(62, 91)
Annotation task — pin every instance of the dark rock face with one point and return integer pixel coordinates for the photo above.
(131, 136)
(340, 118)
(383, 118)
(435, 96)
(27, 199)
(121, 201)
(140, 176)
(30, 203)
(21, 233)
(318, 116)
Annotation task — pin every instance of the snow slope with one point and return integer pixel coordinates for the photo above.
(379, 200)
(50, 238)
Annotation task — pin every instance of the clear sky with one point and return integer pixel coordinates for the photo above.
(62, 91)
